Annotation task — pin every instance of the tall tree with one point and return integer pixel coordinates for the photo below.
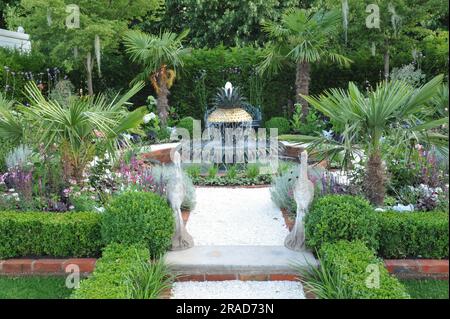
(215, 22)
(79, 32)
(302, 37)
(160, 55)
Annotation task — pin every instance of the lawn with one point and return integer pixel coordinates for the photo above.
(427, 288)
(33, 288)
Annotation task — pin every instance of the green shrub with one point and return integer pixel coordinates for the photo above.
(280, 123)
(187, 123)
(49, 234)
(415, 235)
(252, 171)
(148, 280)
(358, 264)
(341, 217)
(213, 170)
(110, 275)
(139, 218)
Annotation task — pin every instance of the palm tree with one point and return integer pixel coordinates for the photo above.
(302, 38)
(160, 56)
(394, 110)
(78, 129)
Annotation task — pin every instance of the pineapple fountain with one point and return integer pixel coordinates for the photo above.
(229, 109)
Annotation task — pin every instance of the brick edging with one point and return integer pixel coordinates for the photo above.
(418, 268)
(403, 268)
(45, 266)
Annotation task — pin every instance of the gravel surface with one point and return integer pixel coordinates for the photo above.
(235, 289)
(236, 216)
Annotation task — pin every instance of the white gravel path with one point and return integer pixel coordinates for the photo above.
(236, 216)
(235, 289)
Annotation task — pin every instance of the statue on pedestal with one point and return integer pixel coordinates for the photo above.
(303, 195)
(176, 192)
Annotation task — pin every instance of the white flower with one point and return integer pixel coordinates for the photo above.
(11, 190)
(148, 117)
(327, 134)
(15, 195)
(71, 207)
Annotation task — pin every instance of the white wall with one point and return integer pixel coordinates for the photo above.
(15, 40)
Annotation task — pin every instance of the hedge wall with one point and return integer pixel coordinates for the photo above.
(30, 234)
(110, 274)
(413, 235)
(352, 260)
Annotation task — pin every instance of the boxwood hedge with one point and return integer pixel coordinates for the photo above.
(30, 234)
(366, 276)
(413, 235)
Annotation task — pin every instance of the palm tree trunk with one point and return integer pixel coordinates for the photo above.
(162, 102)
(302, 79)
(375, 179)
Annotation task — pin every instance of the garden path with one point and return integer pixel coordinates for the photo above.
(236, 230)
(236, 216)
(235, 289)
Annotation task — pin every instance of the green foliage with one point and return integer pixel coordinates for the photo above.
(39, 287)
(360, 267)
(239, 180)
(212, 171)
(148, 279)
(313, 123)
(279, 123)
(139, 218)
(193, 171)
(341, 217)
(72, 127)
(187, 123)
(109, 280)
(413, 235)
(302, 36)
(215, 22)
(426, 288)
(101, 19)
(324, 281)
(232, 172)
(365, 119)
(49, 234)
(252, 170)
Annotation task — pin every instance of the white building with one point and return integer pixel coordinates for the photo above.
(15, 40)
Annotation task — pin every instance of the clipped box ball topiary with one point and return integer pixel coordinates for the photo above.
(341, 217)
(280, 123)
(139, 218)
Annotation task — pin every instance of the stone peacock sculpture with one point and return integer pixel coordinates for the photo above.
(303, 195)
(176, 193)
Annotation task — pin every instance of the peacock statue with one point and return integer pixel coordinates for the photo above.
(303, 195)
(176, 192)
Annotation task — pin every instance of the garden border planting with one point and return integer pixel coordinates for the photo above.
(29, 234)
